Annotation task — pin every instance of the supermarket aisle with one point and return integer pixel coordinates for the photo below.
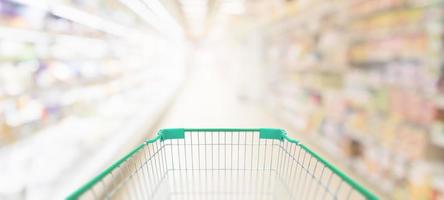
(212, 97)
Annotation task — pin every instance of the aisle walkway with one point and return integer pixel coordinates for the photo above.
(211, 98)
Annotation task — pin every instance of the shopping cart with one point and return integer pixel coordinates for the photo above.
(222, 164)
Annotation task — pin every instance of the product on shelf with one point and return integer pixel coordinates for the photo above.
(380, 91)
(67, 88)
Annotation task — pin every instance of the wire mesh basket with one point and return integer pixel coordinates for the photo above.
(222, 164)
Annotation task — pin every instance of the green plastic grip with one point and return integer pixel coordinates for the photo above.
(171, 133)
(264, 133)
(272, 133)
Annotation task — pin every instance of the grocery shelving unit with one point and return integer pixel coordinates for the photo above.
(71, 80)
(363, 79)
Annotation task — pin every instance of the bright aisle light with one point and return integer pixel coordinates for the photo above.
(137, 7)
(196, 12)
(225, 11)
(151, 11)
(156, 15)
(92, 21)
(233, 7)
(81, 17)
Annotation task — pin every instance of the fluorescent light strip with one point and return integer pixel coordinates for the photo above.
(80, 17)
(137, 7)
(160, 10)
(153, 17)
(92, 21)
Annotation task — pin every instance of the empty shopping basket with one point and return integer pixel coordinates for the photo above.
(222, 163)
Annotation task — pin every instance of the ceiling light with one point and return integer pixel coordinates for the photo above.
(79, 16)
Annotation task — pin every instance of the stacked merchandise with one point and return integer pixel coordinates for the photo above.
(67, 89)
(36, 67)
(367, 84)
(396, 55)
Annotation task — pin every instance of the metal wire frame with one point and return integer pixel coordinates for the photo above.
(222, 165)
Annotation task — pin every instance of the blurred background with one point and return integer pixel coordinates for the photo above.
(84, 81)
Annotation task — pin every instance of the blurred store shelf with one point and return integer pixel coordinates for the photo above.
(75, 89)
(368, 98)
